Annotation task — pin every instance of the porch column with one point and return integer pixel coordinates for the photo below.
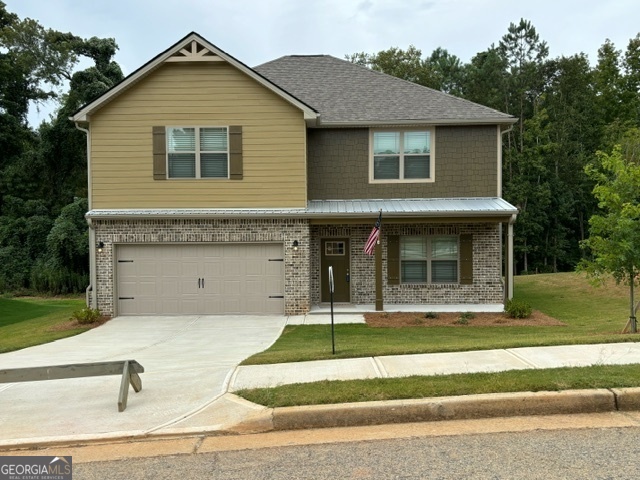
(509, 260)
(379, 299)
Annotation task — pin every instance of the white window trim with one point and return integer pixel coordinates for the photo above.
(198, 152)
(430, 259)
(432, 155)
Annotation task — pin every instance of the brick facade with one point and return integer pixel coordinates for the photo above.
(487, 287)
(302, 267)
(285, 231)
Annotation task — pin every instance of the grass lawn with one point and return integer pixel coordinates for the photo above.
(591, 314)
(25, 322)
(554, 379)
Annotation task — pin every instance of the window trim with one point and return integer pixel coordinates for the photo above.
(432, 153)
(429, 260)
(198, 152)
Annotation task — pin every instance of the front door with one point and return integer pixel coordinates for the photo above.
(335, 253)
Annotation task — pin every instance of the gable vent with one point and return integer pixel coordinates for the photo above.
(194, 53)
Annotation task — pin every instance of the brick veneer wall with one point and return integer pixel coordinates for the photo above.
(487, 284)
(296, 268)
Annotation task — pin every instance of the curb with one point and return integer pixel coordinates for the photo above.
(469, 407)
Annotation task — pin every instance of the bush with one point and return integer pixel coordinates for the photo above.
(518, 309)
(464, 318)
(431, 315)
(86, 315)
(57, 280)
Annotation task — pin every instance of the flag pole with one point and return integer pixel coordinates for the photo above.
(378, 255)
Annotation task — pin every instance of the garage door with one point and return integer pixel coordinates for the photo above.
(200, 279)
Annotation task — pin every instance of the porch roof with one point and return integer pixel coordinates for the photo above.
(364, 208)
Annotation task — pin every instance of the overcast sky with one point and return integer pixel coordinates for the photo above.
(256, 31)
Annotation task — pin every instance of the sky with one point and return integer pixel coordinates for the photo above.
(256, 31)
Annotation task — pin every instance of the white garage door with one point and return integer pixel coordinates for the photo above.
(200, 279)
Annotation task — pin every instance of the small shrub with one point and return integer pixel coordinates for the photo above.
(86, 315)
(464, 318)
(418, 321)
(431, 315)
(518, 309)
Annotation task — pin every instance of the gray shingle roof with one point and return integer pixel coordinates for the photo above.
(345, 93)
(418, 207)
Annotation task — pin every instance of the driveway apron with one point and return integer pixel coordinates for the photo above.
(188, 361)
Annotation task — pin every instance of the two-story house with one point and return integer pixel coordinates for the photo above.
(216, 188)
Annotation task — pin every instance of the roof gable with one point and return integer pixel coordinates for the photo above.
(346, 94)
(191, 48)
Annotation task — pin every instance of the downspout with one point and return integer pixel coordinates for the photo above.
(93, 278)
(509, 253)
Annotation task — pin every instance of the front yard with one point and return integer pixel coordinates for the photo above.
(587, 315)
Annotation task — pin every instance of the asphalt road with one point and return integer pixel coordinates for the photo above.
(600, 453)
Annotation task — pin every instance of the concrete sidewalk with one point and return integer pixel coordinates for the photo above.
(191, 371)
(257, 376)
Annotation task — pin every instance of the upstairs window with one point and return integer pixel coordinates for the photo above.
(198, 152)
(401, 156)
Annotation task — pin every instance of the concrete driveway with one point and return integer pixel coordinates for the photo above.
(188, 362)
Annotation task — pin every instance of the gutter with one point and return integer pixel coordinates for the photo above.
(93, 276)
(434, 121)
(305, 214)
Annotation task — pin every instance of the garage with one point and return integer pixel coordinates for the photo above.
(207, 279)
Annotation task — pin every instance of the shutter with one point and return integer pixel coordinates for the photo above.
(159, 153)
(393, 260)
(235, 153)
(466, 259)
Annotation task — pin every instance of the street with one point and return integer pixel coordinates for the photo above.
(574, 453)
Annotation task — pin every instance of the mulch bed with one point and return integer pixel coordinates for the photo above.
(449, 319)
(74, 324)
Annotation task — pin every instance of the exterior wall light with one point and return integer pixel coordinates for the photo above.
(295, 245)
(100, 246)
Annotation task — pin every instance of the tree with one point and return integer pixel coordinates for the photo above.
(614, 243)
(446, 71)
(406, 64)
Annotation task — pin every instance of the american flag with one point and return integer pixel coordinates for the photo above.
(374, 237)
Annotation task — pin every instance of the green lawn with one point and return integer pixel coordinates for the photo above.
(26, 322)
(592, 315)
(553, 379)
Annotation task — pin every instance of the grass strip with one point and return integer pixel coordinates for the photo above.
(553, 379)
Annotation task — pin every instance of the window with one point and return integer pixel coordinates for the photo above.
(401, 156)
(333, 249)
(194, 152)
(429, 259)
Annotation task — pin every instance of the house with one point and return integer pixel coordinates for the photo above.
(219, 188)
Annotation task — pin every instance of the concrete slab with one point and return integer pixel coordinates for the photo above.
(579, 355)
(325, 319)
(459, 307)
(188, 362)
(449, 363)
(257, 376)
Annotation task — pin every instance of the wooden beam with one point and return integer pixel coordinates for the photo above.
(129, 369)
(56, 372)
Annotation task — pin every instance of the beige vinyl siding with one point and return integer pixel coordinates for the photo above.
(198, 94)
